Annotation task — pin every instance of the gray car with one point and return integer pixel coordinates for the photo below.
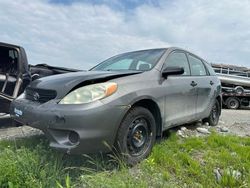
(125, 102)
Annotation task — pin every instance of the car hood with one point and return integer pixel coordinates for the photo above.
(64, 83)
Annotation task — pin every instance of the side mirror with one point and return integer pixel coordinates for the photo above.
(172, 71)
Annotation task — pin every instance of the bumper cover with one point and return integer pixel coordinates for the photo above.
(92, 126)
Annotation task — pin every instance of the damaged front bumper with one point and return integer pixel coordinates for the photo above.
(87, 128)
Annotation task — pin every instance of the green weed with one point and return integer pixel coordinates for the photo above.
(174, 162)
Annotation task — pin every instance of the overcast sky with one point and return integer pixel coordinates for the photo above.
(81, 33)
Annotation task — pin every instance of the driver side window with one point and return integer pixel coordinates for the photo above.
(178, 59)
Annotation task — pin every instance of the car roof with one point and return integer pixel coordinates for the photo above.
(172, 48)
(181, 49)
(9, 45)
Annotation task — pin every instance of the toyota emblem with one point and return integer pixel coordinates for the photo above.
(36, 96)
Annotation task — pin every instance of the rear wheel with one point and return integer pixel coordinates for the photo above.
(232, 103)
(6, 121)
(214, 116)
(136, 135)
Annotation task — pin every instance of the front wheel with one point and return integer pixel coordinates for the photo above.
(214, 116)
(136, 135)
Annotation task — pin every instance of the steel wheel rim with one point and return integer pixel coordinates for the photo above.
(139, 136)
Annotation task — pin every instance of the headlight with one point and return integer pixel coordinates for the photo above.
(90, 93)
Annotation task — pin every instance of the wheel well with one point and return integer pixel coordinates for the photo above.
(155, 110)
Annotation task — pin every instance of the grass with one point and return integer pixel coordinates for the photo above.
(174, 162)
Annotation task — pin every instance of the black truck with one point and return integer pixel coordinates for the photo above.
(16, 73)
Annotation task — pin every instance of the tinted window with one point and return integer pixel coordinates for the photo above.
(197, 67)
(210, 69)
(178, 59)
(8, 61)
(140, 60)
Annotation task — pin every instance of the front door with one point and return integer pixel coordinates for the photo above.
(181, 94)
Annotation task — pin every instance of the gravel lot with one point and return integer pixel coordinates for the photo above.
(237, 121)
(231, 122)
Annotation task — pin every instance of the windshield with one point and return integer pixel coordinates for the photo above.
(141, 60)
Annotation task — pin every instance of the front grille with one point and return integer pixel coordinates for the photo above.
(39, 95)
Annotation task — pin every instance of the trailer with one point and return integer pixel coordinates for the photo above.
(235, 82)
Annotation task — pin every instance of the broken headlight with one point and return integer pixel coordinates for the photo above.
(90, 93)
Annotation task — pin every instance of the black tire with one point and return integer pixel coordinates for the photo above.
(214, 116)
(232, 103)
(16, 124)
(136, 135)
(6, 121)
(239, 90)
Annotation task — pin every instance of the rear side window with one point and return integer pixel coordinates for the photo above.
(197, 66)
(178, 59)
(210, 69)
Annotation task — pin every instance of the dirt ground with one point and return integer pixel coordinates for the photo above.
(231, 122)
(237, 121)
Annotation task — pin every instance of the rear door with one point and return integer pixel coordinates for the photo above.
(180, 94)
(204, 84)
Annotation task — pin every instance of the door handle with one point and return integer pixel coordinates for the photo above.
(193, 83)
(211, 83)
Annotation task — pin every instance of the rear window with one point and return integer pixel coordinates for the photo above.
(8, 60)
